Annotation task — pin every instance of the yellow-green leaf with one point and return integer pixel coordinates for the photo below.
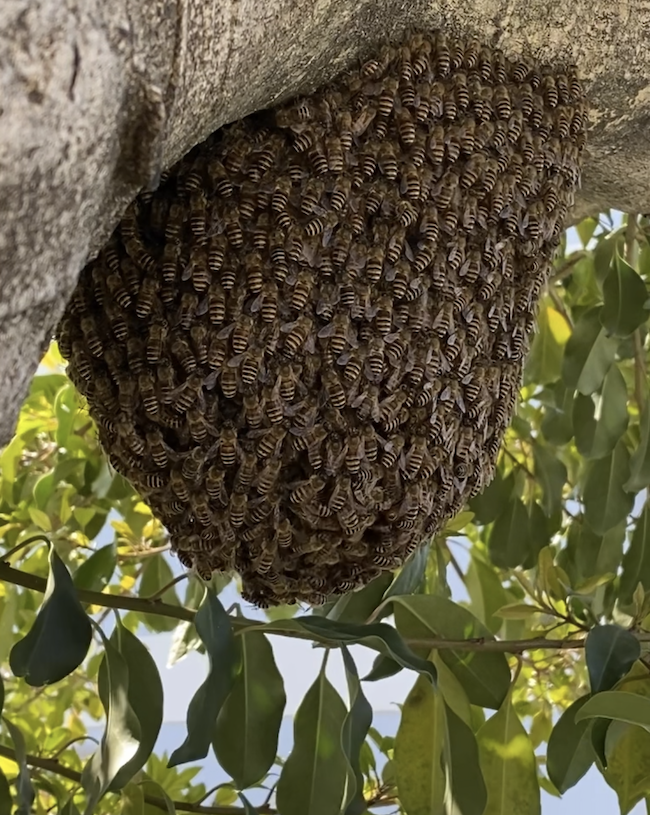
(418, 750)
(508, 763)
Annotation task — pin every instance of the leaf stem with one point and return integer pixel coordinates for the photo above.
(166, 588)
(22, 545)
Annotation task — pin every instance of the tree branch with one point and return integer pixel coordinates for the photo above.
(54, 766)
(240, 625)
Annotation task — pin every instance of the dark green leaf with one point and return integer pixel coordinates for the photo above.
(619, 705)
(636, 561)
(569, 754)
(640, 461)
(96, 572)
(462, 757)
(557, 423)
(121, 739)
(551, 475)
(248, 808)
(314, 776)
(156, 575)
(357, 606)
(624, 295)
(539, 533)
(508, 763)
(606, 502)
(382, 668)
(600, 421)
(24, 789)
(595, 554)
(381, 636)
(509, 544)
(489, 504)
(145, 697)
(484, 676)
(610, 652)
(215, 630)
(355, 729)
(589, 354)
(58, 641)
(418, 751)
(246, 735)
(604, 255)
(599, 730)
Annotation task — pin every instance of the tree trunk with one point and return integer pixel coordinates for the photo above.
(95, 99)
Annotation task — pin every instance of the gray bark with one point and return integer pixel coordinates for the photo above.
(95, 98)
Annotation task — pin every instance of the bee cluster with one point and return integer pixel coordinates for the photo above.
(304, 348)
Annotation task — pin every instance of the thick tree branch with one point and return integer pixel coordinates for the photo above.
(30, 581)
(97, 98)
(53, 766)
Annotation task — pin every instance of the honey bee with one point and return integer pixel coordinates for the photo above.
(296, 333)
(392, 451)
(283, 537)
(384, 316)
(201, 509)
(237, 507)
(217, 351)
(253, 410)
(117, 290)
(181, 349)
(306, 491)
(155, 341)
(91, 337)
(178, 484)
(147, 297)
(270, 441)
(229, 382)
(267, 302)
(215, 485)
(157, 448)
(188, 393)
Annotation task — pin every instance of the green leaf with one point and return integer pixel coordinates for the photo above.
(619, 705)
(604, 255)
(624, 296)
(628, 758)
(606, 502)
(418, 751)
(246, 736)
(380, 636)
(640, 461)
(215, 630)
(314, 776)
(486, 593)
(463, 765)
(410, 577)
(636, 560)
(382, 668)
(595, 554)
(551, 475)
(58, 641)
(132, 800)
(185, 637)
(248, 808)
(586, 229)
(95, 573)
(489, 504)
(569, 754)
(156, 574)
(121, 739)
(69, 808)
(144, 694)
(508, 763)
(484, 676)
(610, 653)
(357, 606)
(589, 354)
(24, 789)
(355, 729)
(600, 421)
(152, 789)
(509, 542)
(544, 362)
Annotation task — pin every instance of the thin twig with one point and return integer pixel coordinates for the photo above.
(566, 268)
(156, 550)
(166, 587)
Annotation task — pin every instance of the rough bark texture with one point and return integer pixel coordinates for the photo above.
(96, 98)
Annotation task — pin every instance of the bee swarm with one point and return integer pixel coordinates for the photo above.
(304, 348)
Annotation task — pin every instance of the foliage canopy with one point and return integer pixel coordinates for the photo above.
(540, 673)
